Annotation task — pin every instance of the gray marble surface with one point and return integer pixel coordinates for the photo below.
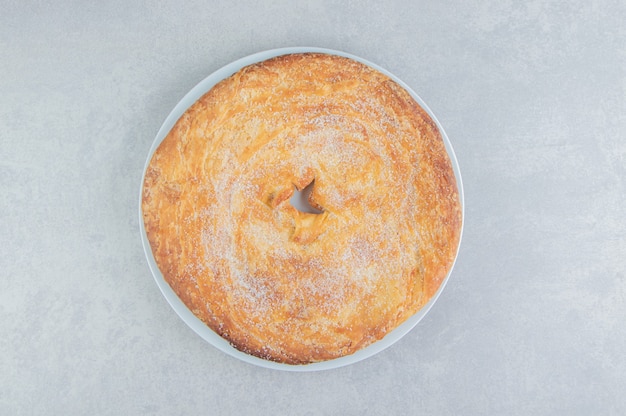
(533, 97)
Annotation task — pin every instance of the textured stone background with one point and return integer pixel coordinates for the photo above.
(533, 97)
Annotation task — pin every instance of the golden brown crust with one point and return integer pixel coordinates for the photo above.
(278, 283)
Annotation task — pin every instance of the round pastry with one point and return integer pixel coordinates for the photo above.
(283, 284)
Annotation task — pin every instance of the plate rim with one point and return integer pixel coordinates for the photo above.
(199, 327)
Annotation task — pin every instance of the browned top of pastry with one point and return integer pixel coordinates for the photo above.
(282, 284)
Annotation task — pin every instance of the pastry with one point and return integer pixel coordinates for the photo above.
(282, 284)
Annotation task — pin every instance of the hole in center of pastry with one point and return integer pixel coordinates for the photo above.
(300, 200)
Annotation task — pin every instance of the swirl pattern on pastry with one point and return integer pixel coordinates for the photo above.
(282, 284)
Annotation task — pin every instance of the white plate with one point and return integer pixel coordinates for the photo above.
(185, 314)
